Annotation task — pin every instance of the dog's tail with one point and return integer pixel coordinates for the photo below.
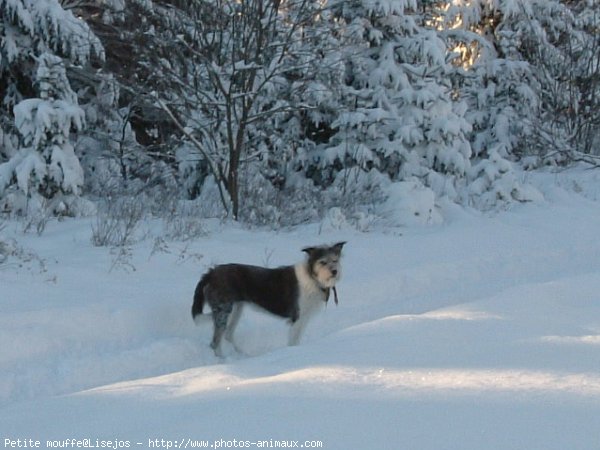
(198, 304)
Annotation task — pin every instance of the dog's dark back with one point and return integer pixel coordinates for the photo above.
(267, 288)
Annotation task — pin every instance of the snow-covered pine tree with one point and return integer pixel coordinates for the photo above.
(30, 28)
(585, 53)
(564, 48)
(45, 165)
(31, 32)
(399, 120)
(110, 155)
(500, 89)
(530, 74)
(531, 32)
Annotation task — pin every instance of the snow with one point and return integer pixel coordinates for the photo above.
(479, 332)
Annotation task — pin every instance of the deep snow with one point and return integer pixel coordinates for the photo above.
(482, 332)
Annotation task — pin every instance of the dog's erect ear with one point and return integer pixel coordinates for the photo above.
(338, 247)
(308, 250)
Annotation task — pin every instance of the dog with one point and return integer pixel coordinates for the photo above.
(293, 292)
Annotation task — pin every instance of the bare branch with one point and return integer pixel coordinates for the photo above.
(216, 173)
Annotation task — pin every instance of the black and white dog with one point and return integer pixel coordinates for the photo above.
(293, 292)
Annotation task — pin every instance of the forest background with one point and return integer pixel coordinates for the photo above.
(279, 112)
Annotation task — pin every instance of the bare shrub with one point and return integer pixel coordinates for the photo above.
(184, 222)
(14, 255)
(37, 221)
(117, 223)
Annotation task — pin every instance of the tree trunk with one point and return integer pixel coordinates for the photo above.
(233, 188)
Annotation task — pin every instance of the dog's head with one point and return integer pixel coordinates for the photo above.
(324, 263)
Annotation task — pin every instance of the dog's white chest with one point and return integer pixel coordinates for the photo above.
(311, 297)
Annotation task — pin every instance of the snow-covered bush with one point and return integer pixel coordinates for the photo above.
(493, 182)
(275, 206)
(410, 203)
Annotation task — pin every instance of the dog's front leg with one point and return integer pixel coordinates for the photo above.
(296, 331)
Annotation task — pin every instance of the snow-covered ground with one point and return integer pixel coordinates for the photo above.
(479, 333)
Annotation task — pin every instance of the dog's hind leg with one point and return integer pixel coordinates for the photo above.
(220, 317)
(233, 321)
